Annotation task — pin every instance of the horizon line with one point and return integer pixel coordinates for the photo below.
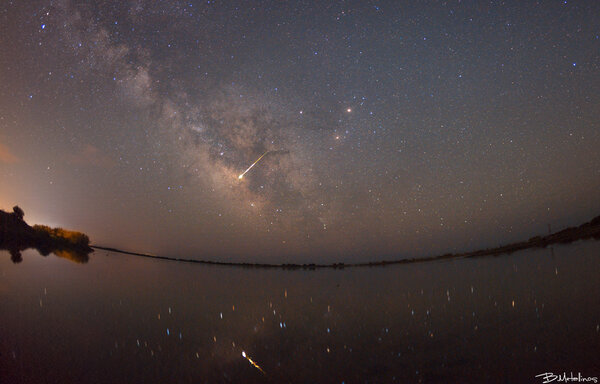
(587, 230)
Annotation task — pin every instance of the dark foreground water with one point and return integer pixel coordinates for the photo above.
(125, 319)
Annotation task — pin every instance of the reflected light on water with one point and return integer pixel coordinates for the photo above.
(131, 319)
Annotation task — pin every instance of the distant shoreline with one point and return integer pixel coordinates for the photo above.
(16, 235)
(589, 230)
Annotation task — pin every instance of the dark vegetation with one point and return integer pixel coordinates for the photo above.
(589, 230)
(16, 235)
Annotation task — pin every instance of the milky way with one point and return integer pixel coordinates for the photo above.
(395, 129)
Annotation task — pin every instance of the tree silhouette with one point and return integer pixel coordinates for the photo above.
(18, 212)
(17, 235)
(15, 256)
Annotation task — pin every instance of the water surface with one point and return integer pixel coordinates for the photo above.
(124, 319)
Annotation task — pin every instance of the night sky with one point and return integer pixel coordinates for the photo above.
(396, 128)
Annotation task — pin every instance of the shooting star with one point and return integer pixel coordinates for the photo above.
(253, 363)
(253, 164)
(263, 155)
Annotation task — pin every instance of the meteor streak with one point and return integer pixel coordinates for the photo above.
(252, 361)
(263, 155)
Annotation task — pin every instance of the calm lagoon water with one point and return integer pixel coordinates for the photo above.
(125, 319)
